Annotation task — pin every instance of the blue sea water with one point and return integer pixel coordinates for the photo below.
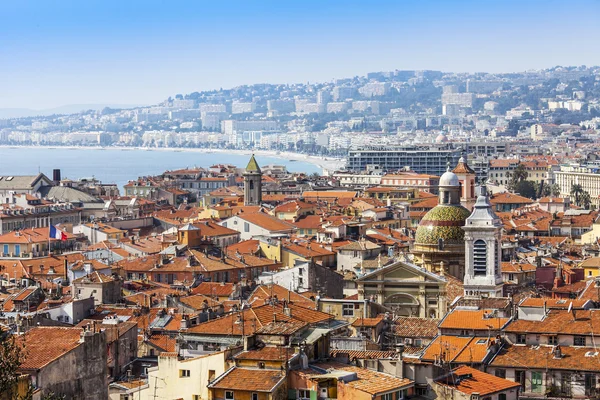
(119, 166)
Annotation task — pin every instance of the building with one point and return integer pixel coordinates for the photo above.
(258, 224)
(466, 177)
(588, 176)
(187, 378)
(483, 230)
(71, 362)
(404, 288)
(425, 182)
(103, 288)
(439, 241)
(466, 383)
(425, 160)
(252, 184)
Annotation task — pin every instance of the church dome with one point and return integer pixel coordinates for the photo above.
(449, 178)
(442, 222)
(441, 138)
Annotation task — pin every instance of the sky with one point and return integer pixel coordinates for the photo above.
(61, 52)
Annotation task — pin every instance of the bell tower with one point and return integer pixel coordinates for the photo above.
(466, 176)
(482, 250)
(252, 183)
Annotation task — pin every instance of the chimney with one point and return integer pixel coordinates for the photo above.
(400, 363)
(56, 176)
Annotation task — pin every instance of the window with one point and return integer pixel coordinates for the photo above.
(536, 382)
(228, 395)
(5, 249)
(246, 227)
(387, 396)
(480, 257)
(348, 310)
(579, 341)
(521, 338)
(184, 373)
(254, 396)
(565, 384)
(124, 397)
(196, 397)
(520, 378)
(303, 394)
(511, 277)
(502, 396)
(501, 373)
(211, 375)
(553, 340)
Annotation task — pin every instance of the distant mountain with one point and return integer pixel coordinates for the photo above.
(67, 109)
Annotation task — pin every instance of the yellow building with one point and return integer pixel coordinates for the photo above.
(187, 379)
(216, 212)
(591, 267)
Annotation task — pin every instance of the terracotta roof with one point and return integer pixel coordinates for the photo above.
(267, 353)
(368, 381)
(164, 343)
(31, 235)
(587, 322)
(266, 221)
(472, 320)
(412, 327)
(94, 277)
(363, 354)
(541, 357)
(46, 344)
(251, 380)
(291, 206)
(517, 267)
(550, 303)
(314, 195)
(470, 380)
(509, 198)
(457, 349)
(367, 322)
(251, 246)
(263, 293)
(214, 289)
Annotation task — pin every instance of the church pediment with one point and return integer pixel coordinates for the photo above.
(401, 271)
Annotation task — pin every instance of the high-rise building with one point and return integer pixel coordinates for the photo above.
(425, 160)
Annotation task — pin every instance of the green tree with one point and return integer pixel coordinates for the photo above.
(585, 200)
(519, 174)
(12, 355)
(526, 188)
(576, 192)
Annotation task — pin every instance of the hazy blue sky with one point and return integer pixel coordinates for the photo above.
(61, 52)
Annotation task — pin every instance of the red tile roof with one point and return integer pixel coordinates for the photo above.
(470, 380)
(250, 380)
(46, 344)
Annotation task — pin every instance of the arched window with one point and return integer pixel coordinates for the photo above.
(251, 184)
(479, 257)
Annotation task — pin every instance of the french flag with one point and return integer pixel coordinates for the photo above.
(57, 234)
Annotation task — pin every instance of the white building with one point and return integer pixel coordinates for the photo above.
(483, 230)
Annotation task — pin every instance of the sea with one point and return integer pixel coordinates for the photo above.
(122, 165)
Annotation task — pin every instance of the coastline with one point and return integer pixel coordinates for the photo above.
(327, 164)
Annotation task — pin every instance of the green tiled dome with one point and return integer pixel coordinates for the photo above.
(442, 222)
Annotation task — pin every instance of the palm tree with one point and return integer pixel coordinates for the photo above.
(586, 200)
(555, 190)
(576, 192)
(519, 174)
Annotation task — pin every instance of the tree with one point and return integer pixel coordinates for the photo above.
(12, 355)
(576, 192)
(586, 200)
(555, 190)
(526, 189)
(519, 174)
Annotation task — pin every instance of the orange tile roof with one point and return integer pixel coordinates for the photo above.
(46, 344)
(509, 198)
(575, 359)
(517, 267)
(267, 353)
(330, 194)
(472, 320)
(163, 342)
(587, 322)
(251, 380)
(562, 304)
(470, 380)
(251, 246)
(457, 349)
(413, 327)
(367, 322)
(266, 221)
(214, 289)
(263, 293)
(363, 354)
(368, 381)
